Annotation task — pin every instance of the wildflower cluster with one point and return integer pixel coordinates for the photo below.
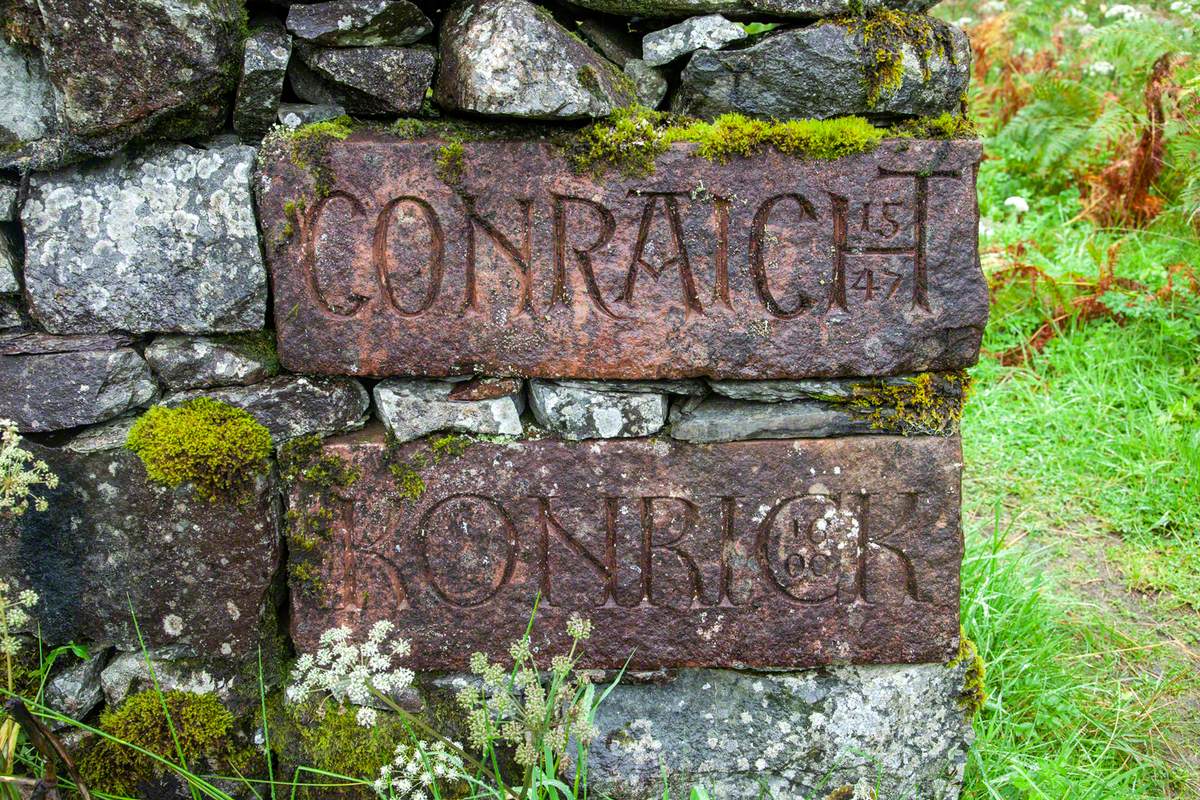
(527, 710)
(19, 474)
(14, 615)
(417, 768)
(353, 672)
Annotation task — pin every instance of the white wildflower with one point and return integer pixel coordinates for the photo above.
(1018, 204)
(20, 474)
(1100, 68)
(14, 615)
(417, 768)
(1123, 11)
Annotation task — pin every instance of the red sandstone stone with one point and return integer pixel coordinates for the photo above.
(764, 267)
(764, 553)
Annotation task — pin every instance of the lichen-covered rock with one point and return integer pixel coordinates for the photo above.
(649, 84)
(720, 419)
(8, 264)
(510, 58)
(907, 65)
(185, 362)
(196, 573)
(795, 9)
(691, 387)
(812, 388)
(899, 730)
(358, 23)
(166, 241)
(712, 31)
(364, 80)
(413, 408)
(293, 115)
(264, 67)
(128, 674)
(75, 690)
(576, 412)
(10, 314)
(141, 69)
(8, 199)
(30, 126)
(291, 406)
(49, 383)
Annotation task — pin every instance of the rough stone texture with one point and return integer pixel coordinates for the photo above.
(76, 691)
(650, 85)
(146, 68)
(897, 729)
(30, 127)
(10, 314)
(293, 115)
(768, 553)
(364, 80)
(510, 58)
(683, 387)
(127, 674)
(578, 412)
(411, 408)
(485, 388)
(358, 23)
(290, 406)
(796, 9)
(820, 72)
(196, 572)
(165, 242)
(184, 362)
(264, 67)
(711, 31)
(8, 264)
(106, 436)
(8, 200)
(49, 383)
(624, 50)
(780, 391)
(625, 278)
(719, 419)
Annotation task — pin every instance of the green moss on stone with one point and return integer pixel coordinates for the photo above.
(885, 35)
(929, 403)
(974, 693)
(450, 163)
(308, 149)
(214, 446)
(943, 126)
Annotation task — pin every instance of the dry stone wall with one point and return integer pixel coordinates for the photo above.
(630, 306)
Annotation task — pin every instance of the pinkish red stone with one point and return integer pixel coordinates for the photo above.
(764, 267)
(765, 553)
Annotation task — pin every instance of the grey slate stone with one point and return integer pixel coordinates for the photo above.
(50, 383)
(105, 436)
(163, 242)
(613, 41)
(264, 67)
(575, 412)
(358, 23)
(127, 674)
(8, 200)
(897, 729)
(76, 691)
(795, 9)
(412, 408)
(30, 126)
(684, 386)
(719, 419)
(778, 391)
(8, 264)
(293, 115)
(363, 80)
(184, 362)
(649, 83)
(509, 58)
(10, 314)
(291, 406)
(821, 72)
(712, 31)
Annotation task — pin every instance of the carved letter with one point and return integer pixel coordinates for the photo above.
(521, 258)
(309, 236)
(501, 573)
(690, 298)
(758, 267)
(437, 243)
(559, 293)
(607, 568)
(690, 517)
(788, 549)
(870, 548)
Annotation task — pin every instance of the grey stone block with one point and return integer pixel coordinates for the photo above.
(712, 31)
(358, 23)
(363, 80)
(719, 419)
(264, 67)
(575, 411)
(412, 408)
(185, 362)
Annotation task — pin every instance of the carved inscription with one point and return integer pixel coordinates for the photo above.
(770, 267)
(754, 553)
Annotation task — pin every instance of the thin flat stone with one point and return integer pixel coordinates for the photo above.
(412, 408)
(186, 362)
(293, 115)
(579, 411)
(795, 9)
(712, 31)
(719, 419)
(358, 23)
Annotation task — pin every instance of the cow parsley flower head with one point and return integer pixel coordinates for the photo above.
(353, 671)
(415, 769)
(14, 615)
(1018, 204)
(20, 474)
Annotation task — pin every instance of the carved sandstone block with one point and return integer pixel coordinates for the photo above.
(766, 267)
(764, 553)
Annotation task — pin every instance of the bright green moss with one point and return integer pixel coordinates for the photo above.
(212, 445)
(885, 34)
(450, 163)
(315, 478)
(308, 149)
(943, 126)
(452, 445)
(929, 403)
(203, 728)
(974, 693)
(629, 140)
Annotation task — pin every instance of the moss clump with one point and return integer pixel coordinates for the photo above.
(885, 34)
(629, 140)
(974, 693)
(202, 726)
(406, 468)
(929, 403)
(308, 149)
(212, 445)
(450, 163)
(943, 126)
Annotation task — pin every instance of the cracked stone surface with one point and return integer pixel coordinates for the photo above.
(510, 58)
(819, 72)
(712, 31)
(720, 419)
(186, 362)
(50, 383)
(8, 200)
(363, 80)
(264, 66)
(166, 241)
(412, 408)
(577, 412)
(358, 23)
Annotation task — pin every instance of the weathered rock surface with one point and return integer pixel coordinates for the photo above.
(127, 674)
(186, 362)
(649, 83)
(548, 273)
(624, 50)
(510, 58)
(143, 69)
(796, 9)
(358, 23)
(768, 553)
(49, 383)
(364, 80)
(719, 419)
(76, 690)
(689, 388)
(195, 572)
(30, 126)
(412, 408)
(827, 71)
(10, 314)
(8, 264)
(577, 412)
(8, 200)
(293, 115)
(780, 391)
(290, 406)
(712, 31)
(164, 242)
(485, 388)
(896, 731)
(264, 67)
